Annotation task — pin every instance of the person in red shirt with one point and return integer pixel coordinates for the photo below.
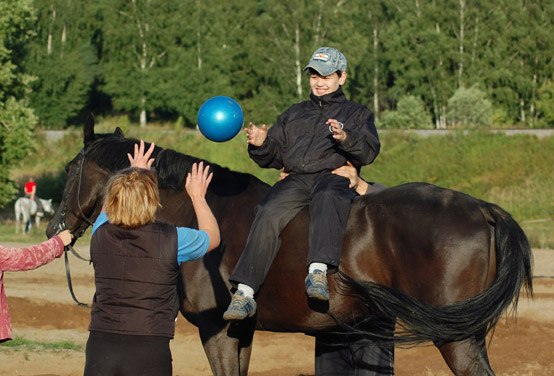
(30, 188)
(26, 258)
(30, 191)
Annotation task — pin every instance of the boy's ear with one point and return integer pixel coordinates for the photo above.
(342, 78)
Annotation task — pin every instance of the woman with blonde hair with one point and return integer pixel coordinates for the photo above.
(136, 264)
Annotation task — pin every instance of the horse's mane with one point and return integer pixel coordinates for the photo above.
(109, 151)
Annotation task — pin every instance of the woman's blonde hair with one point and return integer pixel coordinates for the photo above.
(132, 197)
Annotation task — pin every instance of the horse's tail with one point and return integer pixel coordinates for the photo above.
(418, 322)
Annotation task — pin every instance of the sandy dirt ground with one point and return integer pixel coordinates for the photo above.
(42, 310)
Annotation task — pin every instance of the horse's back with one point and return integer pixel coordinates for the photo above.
(419, 239)
(24, 206)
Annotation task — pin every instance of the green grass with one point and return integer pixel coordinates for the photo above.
(8, 235)
(20, 343)
(514, 172)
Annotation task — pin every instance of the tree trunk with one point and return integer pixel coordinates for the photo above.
(143, 113)
(297, 62)
(375, 74)
(198, 37)
(461, 48)
(49, 42)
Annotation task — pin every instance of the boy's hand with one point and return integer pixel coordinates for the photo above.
(336, 128)
(140, 158)
(256, 135)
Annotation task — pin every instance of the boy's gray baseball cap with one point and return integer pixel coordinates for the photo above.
(327, 60)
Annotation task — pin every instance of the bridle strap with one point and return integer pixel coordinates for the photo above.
(81, 213)
(68, 275)
(62, 226)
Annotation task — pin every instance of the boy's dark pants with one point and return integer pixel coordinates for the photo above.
(328, 197)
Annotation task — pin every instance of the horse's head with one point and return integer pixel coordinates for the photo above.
(87, 174)
(47, 206)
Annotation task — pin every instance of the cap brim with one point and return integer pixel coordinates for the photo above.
(321, 68)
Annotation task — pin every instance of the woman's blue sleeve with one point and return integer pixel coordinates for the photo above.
(191, 244)
(102, 218)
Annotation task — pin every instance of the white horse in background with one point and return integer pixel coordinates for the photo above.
(25, 209)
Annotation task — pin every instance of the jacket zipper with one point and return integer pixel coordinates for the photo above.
(313, 133)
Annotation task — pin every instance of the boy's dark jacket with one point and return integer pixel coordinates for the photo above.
(301, 142)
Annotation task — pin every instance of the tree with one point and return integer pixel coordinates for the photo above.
(545, 103)
(410, 114)
(469, 107)
(146, 58)
(63, 59)
(422, 52)
(17, 120)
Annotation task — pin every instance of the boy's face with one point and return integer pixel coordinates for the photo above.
(322, 85)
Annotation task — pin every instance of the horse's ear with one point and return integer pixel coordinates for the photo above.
(88, 131)
(118, 132)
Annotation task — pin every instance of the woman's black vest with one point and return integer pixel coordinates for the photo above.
(136, 275)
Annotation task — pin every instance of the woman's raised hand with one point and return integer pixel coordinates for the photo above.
(140, 158)
(198, 180)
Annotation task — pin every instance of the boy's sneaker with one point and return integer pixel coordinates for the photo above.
(316, 285)
(241, 307)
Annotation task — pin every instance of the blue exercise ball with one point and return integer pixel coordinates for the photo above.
(220, 118)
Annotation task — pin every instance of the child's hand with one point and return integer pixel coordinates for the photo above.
(66, 237)
(256, 135)
(140, 158)
(336, 127)
(198, 180)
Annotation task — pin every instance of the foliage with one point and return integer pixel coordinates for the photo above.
(161, 59)
(470, 108)
(545, 103)
(17, 120)
(63, 60)
(410, 113)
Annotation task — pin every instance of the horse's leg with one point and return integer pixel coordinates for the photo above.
(468, 357)
(227, 347)
(27, 223)
(17, 224)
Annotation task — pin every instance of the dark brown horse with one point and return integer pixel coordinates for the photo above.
(445, 265)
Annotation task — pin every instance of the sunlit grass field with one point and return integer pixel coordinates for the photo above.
(514, 172)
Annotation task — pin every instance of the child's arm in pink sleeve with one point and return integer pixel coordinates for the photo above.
(27, 258)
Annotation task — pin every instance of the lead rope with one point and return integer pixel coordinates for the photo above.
(68, 274)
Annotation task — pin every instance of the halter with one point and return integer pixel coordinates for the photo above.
(62, 225)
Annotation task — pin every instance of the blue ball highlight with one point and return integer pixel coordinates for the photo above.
(220, 118)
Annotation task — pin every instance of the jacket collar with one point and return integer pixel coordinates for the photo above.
(334, 97)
